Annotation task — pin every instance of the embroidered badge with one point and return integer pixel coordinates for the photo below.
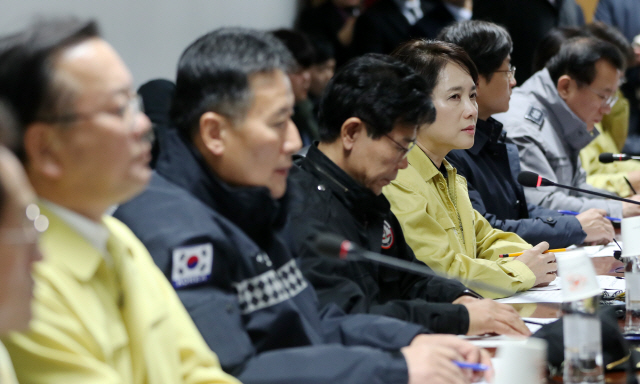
(535, 115)
(191, 264)
(387, 235)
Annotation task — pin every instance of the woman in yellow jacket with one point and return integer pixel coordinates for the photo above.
(432, 202)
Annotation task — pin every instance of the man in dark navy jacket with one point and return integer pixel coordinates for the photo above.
(212, 223)
(491, 166)
(368, 121)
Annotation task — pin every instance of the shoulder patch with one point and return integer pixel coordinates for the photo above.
(535, 115)
(387, 235)
(191, 264)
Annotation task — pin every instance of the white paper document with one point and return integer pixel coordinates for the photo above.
(553, 293)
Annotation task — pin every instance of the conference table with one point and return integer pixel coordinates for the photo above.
(603, 266)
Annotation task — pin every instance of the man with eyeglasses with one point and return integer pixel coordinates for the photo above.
(369, 116)
(102, 311)
(551, 118)
(491, 166)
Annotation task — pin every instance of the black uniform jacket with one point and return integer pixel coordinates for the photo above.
(491, 168)
(333, 202)
(222, 249)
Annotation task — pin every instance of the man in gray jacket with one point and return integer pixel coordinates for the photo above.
(551, 118)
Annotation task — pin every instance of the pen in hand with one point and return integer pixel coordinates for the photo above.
(475, 367)
(573, 213)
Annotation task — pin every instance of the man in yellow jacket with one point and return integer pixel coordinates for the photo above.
(612, 135)
(103, 313)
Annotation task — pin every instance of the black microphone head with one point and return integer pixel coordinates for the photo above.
(610, 157)
(606, 157)
(332, 245)
(531, 179)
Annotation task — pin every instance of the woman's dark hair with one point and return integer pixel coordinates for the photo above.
(429, 57)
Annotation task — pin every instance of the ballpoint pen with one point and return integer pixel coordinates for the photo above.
(573, 213)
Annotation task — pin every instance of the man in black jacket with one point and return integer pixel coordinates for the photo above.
(368, 117)
(491, 166)
(211, 222)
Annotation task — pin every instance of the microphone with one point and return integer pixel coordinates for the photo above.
(610, 157)
(531, 179)
(331, 244)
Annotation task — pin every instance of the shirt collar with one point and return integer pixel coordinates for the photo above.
(95, 233)
(458, 13)
(411, 10)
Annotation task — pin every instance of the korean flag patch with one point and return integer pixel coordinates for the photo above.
(191, 265)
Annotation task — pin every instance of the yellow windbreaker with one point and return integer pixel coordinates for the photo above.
(93, 326)
(613, 133)
(450, 236)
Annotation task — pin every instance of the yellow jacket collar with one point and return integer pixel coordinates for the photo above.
(67, 248)
(425, 167)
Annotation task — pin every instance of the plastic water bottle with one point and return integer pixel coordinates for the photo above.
(582, 341)
(581, 324)
(632, 294)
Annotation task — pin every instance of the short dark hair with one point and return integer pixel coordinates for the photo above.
(379, 90)
(429, 57)
(551, 43)
(213, 74)
(578, 56)
(27, 58)
(487, 44)
(298, 45)
(614, 36)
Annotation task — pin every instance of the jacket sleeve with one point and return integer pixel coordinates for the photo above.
(58, 348)
(532, 158)
(56, 344)
(542, 224)
(333, 281)
(349, 358)
(430, 242)
(197, 364)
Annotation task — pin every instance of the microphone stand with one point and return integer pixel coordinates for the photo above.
(612, 197)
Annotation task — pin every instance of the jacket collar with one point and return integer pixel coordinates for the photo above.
(570, 127)
(354, 196)
(425, 167)
(487, 132)
(250, 208)
(66, 247)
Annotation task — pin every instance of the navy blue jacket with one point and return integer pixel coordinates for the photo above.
(491, 168)
(335, 203)
(247, 296)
